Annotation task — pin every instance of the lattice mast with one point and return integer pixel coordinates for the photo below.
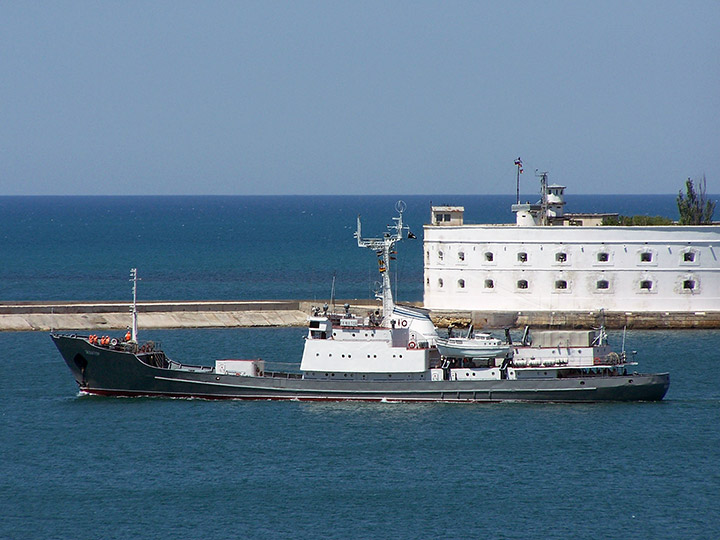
(385, 249)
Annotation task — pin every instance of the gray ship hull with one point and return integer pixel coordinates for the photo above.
(104, 371)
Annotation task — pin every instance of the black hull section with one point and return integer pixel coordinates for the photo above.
(103, 371)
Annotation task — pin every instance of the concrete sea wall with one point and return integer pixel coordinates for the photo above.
(47, 316)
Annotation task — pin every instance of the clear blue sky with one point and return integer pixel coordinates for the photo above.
(361, 97)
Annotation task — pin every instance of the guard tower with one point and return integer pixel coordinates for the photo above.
(447, 215)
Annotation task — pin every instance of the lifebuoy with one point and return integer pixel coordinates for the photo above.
(403, 322)
(412, 345)
(113, 342)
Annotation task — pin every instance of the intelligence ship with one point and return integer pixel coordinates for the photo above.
(389, 356)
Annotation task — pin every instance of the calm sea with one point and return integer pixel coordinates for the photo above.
(83, 467)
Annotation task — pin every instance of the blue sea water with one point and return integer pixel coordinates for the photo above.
(229, 248)
(87, 467)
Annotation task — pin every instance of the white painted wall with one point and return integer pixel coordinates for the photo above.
(456, 257)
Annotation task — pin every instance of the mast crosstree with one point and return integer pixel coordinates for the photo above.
(385, 249)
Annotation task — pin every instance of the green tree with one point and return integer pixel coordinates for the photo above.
(694, 207)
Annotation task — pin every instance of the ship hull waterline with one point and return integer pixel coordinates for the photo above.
(106, 372)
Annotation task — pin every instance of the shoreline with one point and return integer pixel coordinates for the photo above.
(115, 315)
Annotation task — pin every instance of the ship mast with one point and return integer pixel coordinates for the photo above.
(384, 248)
(134, 278)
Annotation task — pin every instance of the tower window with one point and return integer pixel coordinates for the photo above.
(603, 257)
(646, 284)
(489, 284)
(522, 284)
(602, 284)
(522, 256)
(561, 257)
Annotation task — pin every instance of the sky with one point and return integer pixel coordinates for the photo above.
(347, 97)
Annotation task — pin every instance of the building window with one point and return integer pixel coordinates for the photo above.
(689, 256)
(489, 256)
(561, 257)
(522, 284)
(461, 255)
(689, 284)
(646, 284)
(442, 217)
(561, 284)
(602, 284)
(646, 256)
(522, 256)
(489, 284)
(461, 283)
(603, 257)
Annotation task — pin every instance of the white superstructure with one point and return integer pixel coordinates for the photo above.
(550, 260)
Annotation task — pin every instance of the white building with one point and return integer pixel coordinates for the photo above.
(552, 261)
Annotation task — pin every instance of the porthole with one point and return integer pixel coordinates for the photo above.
(489, 256)
(689, 284)
(561, 257)
(602, 284)
(522, 256)
(489, 284)
(689, 256)
(603, 257)
(440, 283)
(522, 284)
(461, 255)
(646, 284)
(561, 284)
(646, 256)
(461, 283)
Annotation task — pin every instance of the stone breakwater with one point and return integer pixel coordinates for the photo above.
(47, 316)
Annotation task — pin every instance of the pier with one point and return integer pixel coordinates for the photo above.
(112, 315)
